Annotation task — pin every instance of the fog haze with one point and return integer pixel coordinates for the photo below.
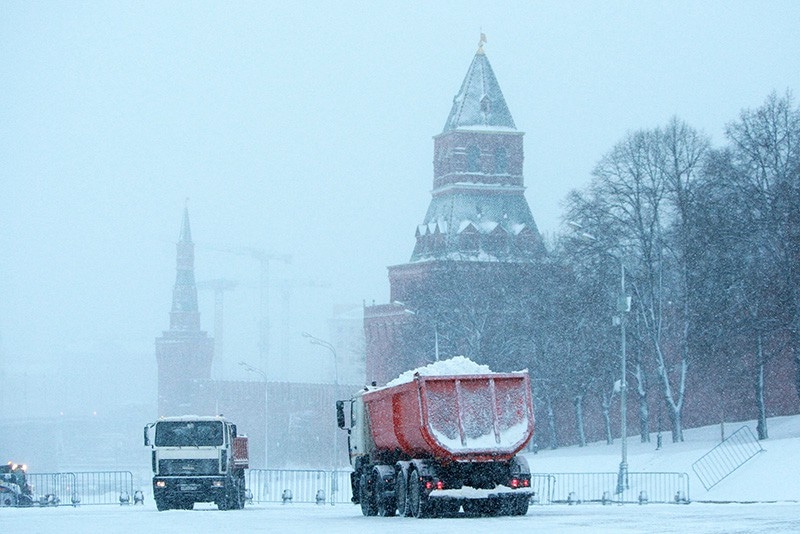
(304, 130)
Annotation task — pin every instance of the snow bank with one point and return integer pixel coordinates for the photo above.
(773, 475)
(457, 365)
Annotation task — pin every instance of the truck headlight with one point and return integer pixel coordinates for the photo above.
(218, 483)
(161, 483)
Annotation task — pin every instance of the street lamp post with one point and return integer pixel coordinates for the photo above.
(247, 367)
(322, 343)
(623, 307)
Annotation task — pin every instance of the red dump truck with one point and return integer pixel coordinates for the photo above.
(433, 445)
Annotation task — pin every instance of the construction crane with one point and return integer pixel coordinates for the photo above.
(263, 258)
(219, 286)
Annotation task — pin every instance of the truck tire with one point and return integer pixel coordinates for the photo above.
(417, 499)
(239, 495)
(520, 505)
(366, 495)
(162, 504)
(401, 490)
(385, 500)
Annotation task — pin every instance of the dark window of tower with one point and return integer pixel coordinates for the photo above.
(486, 105)
(497, 241)
(500, 161)
(473, 158)
(469, 239)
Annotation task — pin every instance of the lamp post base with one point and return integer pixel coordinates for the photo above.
(622, 478)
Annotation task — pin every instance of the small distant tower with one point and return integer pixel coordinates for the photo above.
(184, 352)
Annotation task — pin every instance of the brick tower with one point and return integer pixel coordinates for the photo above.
(477, 243)
(184, 352)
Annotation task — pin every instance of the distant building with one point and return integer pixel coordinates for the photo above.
(295, 421)
(184, 352)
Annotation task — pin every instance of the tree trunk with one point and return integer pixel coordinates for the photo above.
(674, 403)
(579, 420)
(796, 347)
(644, 409)
(677, 426)
(551, 423)
(761, 427)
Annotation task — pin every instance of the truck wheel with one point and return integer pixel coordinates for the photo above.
(401, 492)
(366, 495)
(162, 504)
(239, 495)
(472, 507)
(239, 498)
(520, 506)
(417, 500)
(447, 508)
(386, 505)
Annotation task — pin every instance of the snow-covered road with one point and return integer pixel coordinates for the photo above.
(347, 519)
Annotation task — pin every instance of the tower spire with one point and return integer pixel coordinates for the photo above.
(186, 231)
(479, 104)
(185, 314)
(481, 41)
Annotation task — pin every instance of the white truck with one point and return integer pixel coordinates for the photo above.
(197, 459)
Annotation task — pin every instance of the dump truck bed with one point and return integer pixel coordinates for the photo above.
(479, 417)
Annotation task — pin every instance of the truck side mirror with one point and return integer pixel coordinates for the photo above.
(146, 436)
(340, 413)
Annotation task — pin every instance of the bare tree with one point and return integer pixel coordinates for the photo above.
(766, 156)
(640, 205)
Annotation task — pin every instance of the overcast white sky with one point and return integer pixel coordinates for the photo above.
(305, 128)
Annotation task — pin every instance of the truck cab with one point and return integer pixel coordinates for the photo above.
(196, 459)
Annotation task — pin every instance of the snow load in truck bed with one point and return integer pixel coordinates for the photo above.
(458, 365)
(453, 409)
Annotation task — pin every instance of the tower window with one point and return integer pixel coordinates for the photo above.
(473, 158)
(486, 105)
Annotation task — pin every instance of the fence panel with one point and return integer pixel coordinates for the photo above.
(576, 488)
(51, 488)
(306, 486)
(726, 457)
(89, 487)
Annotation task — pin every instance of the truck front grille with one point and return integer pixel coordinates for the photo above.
(189, 467)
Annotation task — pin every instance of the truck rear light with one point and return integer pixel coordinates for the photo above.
(434, 484)
(515, 483)
(520, 483)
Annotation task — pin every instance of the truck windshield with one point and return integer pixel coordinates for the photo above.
(188, 433)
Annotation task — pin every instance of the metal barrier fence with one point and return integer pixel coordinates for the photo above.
(576, 488)
(90, 487)
(726, 457)
(306, 486)
(270, 485)
(333, 487)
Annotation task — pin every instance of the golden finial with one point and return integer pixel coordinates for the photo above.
(480, 43)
